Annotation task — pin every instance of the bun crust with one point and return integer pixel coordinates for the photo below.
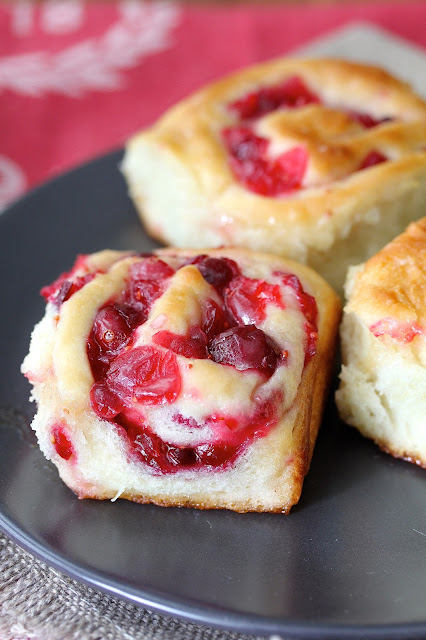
(219, 428)
(383, 378)
(355, 136)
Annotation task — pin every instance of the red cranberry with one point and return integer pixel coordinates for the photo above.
(145, 375)
(246, 299)
(151, 268)
(217, 271)
(132, 315)
(49, 291)
(145, 444)
(110, 329)
(309, 309)
(146, 282)
(62, 289)
(250, 165)
(371, 159)
(164, 457)
(307, 302)
(244, 145)
(214, 319)
(62, 442)
(192, 346)
(246, 348)
(105, 403)
(180, 456)
(67, 283)
(142, 294)
(159, 455)
(110, 333)
(291, 94)
(253, 174)
(213, 455)
(290, 167)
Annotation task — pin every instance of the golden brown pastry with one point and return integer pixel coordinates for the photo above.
(383, 378)
(322, 161)
(184, 378)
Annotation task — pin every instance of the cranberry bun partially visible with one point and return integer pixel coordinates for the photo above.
(184, 378)
(322, 161)
(383, 380)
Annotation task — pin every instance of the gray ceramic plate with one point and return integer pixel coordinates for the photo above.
(349, 562)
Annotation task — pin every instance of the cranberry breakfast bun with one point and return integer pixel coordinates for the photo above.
(322, 161)
(184, 378)
(383, 380)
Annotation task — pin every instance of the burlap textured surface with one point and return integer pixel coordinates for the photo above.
(39, 603)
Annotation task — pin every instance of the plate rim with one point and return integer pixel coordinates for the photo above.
(201, 614)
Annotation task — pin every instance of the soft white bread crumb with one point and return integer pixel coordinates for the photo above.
(383, 379)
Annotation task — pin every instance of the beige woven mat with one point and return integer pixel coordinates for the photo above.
(39, 603)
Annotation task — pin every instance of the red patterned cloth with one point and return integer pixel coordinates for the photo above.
(76, 79)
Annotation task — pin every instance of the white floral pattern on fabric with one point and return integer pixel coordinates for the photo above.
(95, 63)
(56, 16)
(62, 16)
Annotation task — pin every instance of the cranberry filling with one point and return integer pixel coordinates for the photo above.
(111, 329)
(126, 375)
(192, 346)
(61, 442)
(217, 271)
(263, 175)
(67, 284)
(405, 332)
(306, 301)
(247, 299)
(244, 145)
(245, 348)
(309, 309)
(164, 457)
(146, 375)
(147, 281)
(371, 159)
(159, 455)
(105, 403)
(248, 152)
(111, 332)
(291, 94)
(215, 319)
